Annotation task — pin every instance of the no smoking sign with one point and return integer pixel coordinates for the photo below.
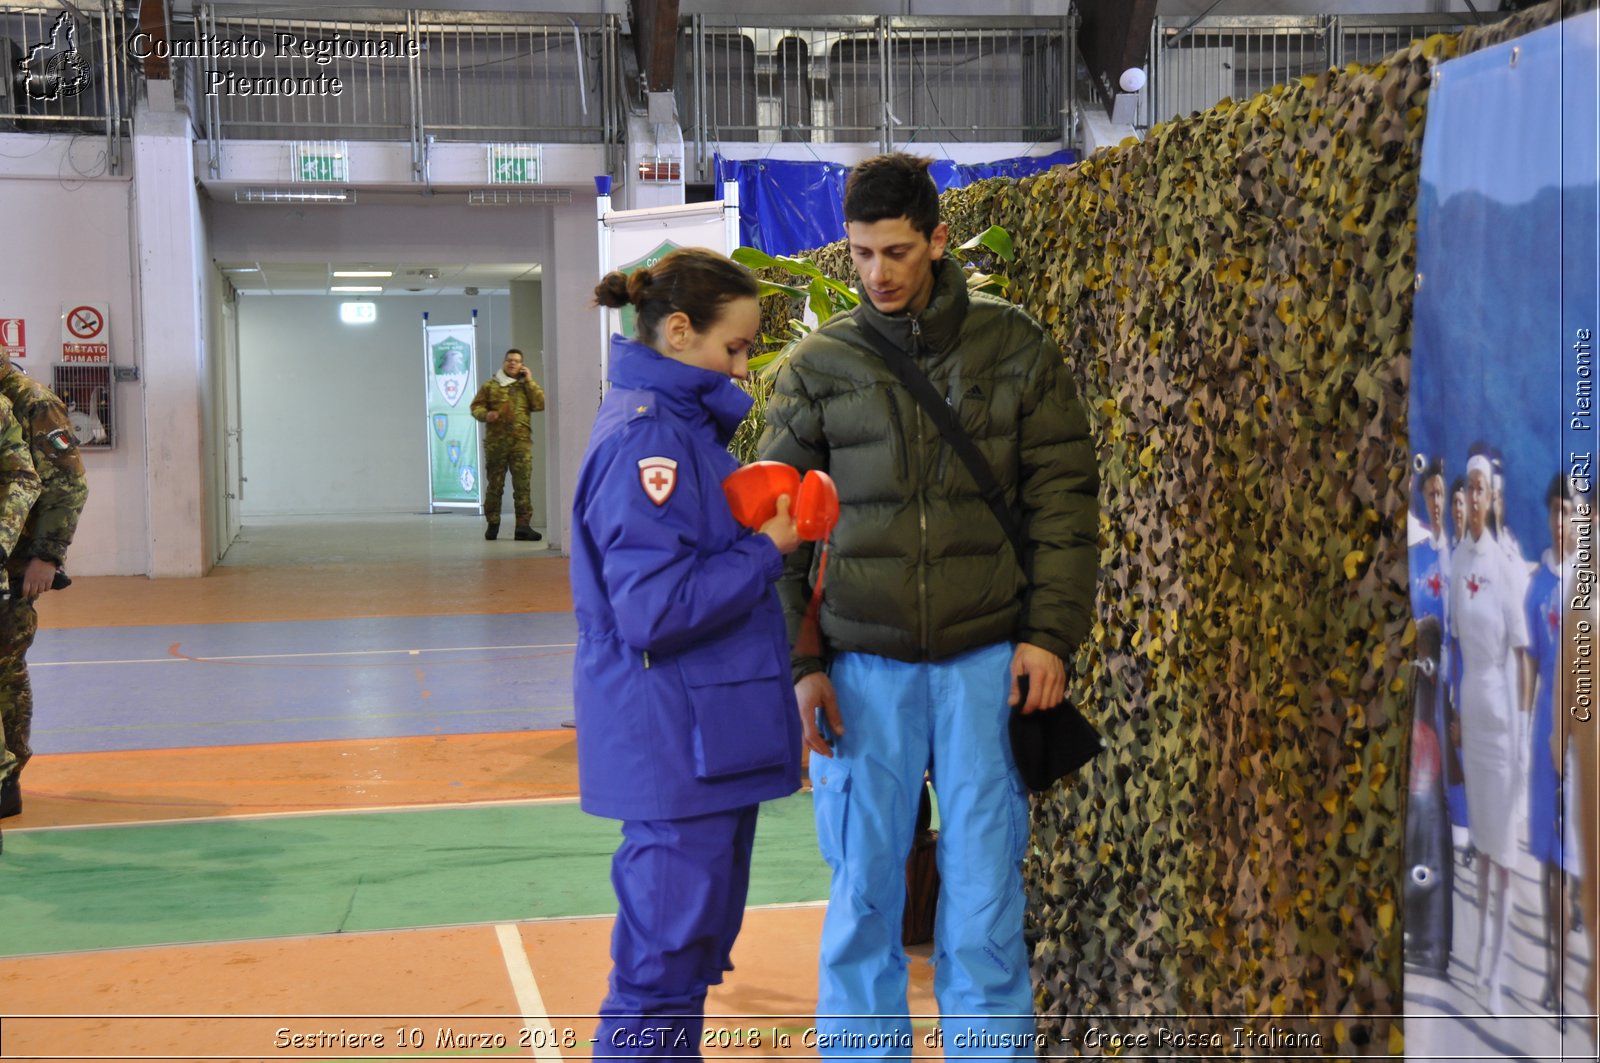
(83, 333)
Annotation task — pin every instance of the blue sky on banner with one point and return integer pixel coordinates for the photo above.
(1506, 254)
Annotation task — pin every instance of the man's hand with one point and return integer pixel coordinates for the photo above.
(38, 577)
(1047, 677)
(813, 692)
(492, 415)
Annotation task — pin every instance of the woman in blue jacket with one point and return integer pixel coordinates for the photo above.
(685, 712)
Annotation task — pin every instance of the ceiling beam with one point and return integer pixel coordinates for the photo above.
(1114, 35)
(153, 24)
(655, 39)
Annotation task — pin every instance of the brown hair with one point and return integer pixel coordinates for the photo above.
(690, 280)
(895, 185)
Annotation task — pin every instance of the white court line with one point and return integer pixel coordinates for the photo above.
(534, 1016)
(325, 653)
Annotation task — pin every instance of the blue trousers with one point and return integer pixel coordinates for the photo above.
(898, 718)
(681, 886)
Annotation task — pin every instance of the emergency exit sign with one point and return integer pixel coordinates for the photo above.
(321, 162)
(513, 164)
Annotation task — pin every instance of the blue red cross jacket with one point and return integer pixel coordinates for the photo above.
(684, 700)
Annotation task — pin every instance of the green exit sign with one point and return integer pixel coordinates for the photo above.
(321, 161)
(514, 164)
(323, 168)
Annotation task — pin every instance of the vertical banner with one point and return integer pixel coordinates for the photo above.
(1503, 436)
(635, 239)
(451, 377)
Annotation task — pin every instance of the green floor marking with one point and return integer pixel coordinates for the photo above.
(226, 880)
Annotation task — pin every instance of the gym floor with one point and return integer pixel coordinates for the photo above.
(324, 796)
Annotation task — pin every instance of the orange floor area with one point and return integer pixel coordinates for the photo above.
(314, 592)
(440, 986)
(169, 784)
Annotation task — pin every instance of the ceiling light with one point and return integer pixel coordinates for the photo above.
(363, 273)
(282, 195)
(241, 269)
(355, 288)
(518, 197)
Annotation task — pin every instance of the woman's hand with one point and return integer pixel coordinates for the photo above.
(781, 530)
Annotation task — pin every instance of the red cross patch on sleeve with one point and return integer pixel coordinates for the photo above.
(659, 477)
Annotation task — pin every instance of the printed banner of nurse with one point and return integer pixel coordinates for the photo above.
(1499, 951)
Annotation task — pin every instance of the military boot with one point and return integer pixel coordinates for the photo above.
(10, 796)
(527, 534)
(492, 532)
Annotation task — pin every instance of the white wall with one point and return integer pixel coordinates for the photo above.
(69, 240)
(333, 416)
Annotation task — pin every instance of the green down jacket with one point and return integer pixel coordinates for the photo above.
(919, 568)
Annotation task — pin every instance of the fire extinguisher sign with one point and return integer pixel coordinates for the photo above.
(13, 338)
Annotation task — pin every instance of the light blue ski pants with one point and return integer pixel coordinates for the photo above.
(899, 717)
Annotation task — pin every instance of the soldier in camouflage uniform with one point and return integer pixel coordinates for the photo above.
(503, 404)
(36, 533)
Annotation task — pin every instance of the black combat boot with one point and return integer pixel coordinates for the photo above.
(527, 534)
(10, 796)
(491, 532)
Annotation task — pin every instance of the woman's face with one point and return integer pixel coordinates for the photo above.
(1433, 498)
(1458, 511)
(1477, 502)
(724, 347)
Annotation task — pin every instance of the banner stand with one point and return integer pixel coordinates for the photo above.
(450, 380)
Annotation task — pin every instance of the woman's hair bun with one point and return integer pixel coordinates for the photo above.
(612, 290)
(639, 282)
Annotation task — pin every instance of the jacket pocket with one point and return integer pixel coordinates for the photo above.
(739, 701)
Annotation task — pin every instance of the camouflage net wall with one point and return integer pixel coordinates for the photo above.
(1236, 293)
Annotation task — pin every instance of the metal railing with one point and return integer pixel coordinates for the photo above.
(407, 75)
(1194, 63)
(419, 76)
(63, 71)
(875, 79)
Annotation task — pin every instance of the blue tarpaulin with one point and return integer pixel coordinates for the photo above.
(786, 207)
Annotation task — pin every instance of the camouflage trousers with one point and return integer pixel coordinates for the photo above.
(499, 457)
(18, 624)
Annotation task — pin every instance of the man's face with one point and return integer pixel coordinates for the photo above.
(1433, 495)
(513, 365)
(1563, 532)
(895, 262)
(1478, 492)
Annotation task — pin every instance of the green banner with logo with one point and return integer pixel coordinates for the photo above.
(454, 477)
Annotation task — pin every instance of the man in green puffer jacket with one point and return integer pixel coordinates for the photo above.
(928, 617)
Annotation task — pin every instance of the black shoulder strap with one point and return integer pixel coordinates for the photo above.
(944, 419)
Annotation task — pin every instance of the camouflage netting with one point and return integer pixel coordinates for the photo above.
(1236, 293)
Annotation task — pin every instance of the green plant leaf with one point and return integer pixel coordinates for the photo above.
(996, 239)
(774, 288)
(754, 258)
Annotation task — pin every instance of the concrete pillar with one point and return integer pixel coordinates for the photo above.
(170, 254)
(571, 355)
